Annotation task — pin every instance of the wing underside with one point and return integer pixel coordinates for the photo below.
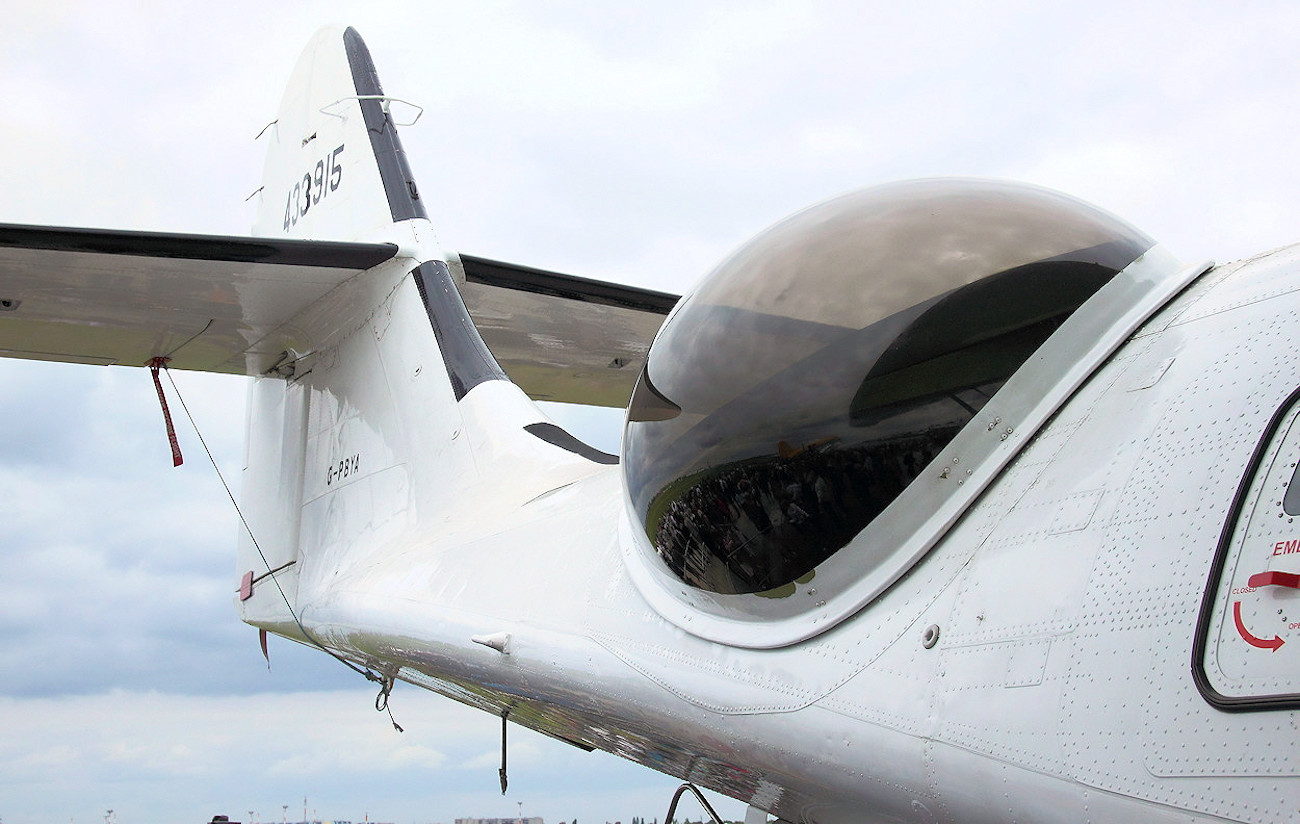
(209, 303)
(560, 337)
(237, 305)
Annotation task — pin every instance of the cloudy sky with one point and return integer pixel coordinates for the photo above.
(637, 142)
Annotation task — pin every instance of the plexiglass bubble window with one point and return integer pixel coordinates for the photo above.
(814, 374)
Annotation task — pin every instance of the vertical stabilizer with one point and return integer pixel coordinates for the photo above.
(335, 168)
(394, 413)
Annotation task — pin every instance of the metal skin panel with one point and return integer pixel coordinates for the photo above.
(1065, 597)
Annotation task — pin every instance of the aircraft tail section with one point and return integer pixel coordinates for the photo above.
(376, 406)
(363, 444)
(343, 437)
(335, 168)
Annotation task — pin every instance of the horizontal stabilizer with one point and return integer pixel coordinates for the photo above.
(560, 337)
(207, 302)
(226, 304)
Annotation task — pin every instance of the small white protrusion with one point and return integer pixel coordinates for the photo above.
(499, 641)
(930, 637)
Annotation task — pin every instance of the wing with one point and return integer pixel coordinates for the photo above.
(560, 337)
(211, 303)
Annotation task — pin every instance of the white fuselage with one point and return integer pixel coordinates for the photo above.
(1065, 600)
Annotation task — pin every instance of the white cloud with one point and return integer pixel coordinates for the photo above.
(158, 757)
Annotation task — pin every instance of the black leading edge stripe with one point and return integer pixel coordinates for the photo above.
(466, 356)
(284, 251)
(541, 282)
(399, 184)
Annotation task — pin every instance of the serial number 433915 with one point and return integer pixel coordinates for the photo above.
(312, 187)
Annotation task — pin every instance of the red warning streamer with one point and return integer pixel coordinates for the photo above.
(154, 365)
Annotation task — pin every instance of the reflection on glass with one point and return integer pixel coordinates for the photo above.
(817, 372)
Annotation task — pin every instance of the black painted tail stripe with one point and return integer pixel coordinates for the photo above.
(465, 355)
(468, 360)
(556, 436)
(399, 184)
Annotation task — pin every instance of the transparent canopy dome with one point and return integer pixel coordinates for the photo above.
(817, 371)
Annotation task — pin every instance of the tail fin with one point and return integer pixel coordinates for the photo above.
(335, 168)
(401, 414)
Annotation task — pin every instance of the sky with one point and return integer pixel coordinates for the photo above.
(635, 142)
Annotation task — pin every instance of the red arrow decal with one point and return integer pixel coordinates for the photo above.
(1273, 578)
(1275, 644)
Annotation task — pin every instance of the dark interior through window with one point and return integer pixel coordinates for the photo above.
(759, 443)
